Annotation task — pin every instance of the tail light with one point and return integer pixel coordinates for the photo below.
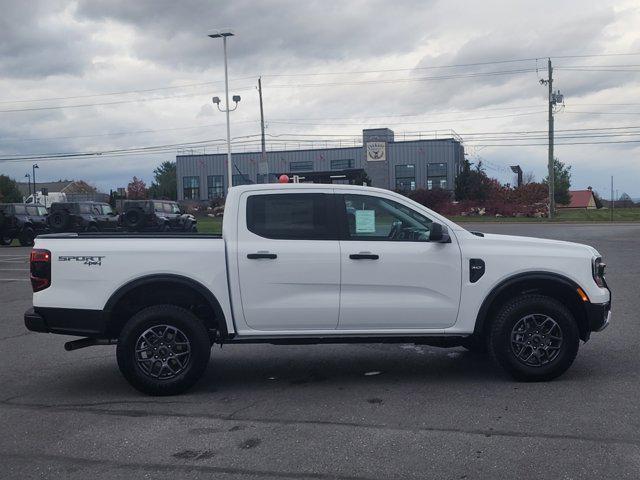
(40, 264)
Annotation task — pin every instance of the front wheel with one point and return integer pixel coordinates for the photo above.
(5, 239)
(163, 350)
(534, 338)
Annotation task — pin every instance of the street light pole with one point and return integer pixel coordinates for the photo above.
(33, 167)
(28, 176)
(227, 110)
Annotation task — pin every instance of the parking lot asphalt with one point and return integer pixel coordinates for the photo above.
(328, 411)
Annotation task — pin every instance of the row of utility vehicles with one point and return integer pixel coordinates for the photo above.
(310, 264)
(23, 221)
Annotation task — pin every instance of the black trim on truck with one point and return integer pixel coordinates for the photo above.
(548, 279)
(111, 235)
(66, 321)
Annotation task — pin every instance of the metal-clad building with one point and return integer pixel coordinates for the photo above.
(380, 162)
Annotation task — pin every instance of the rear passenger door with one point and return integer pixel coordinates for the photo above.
(288, 260)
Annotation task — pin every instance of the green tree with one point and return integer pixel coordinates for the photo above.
(9, 192)
(562, 182)
(473, 183)
(164, 185)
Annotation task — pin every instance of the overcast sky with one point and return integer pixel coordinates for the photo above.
(329, 69)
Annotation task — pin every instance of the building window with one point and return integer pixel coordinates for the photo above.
(241, 179)
(215, 186)
(342, 164)
(267, 178)
(191, 188)
(405, 177)
(436, 175)
(301, 166)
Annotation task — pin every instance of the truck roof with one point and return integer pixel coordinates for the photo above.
(309, 186)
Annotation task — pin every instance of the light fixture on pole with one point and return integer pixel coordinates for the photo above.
(236, 99)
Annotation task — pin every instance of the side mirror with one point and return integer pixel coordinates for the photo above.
(439, 234)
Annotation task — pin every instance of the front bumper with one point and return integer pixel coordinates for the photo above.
(66, 321)
(598, 316)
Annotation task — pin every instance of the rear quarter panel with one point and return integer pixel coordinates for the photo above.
(88, 284)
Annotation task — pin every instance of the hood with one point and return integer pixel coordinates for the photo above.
(516, 240)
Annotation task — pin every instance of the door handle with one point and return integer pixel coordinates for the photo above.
(255, 256)
(364, 256)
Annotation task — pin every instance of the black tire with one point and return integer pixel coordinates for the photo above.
(59, 221)
(27, 237)
(165, 227)
(93, 229)
(505, 341)
(138, 372)
(134, 218)
(5, 240)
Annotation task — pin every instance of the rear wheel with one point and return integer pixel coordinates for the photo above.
(163, 350)
(534, 338)
(5, 239)
(59, 221)
(27, 236)
(93, 229)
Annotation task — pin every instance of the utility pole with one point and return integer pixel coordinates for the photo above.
(264, 145)
(552, 179)
(554, 99)
(612, 200)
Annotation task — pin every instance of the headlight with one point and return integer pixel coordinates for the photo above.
(598, 268)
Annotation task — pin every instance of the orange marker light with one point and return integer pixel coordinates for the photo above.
(583, 295)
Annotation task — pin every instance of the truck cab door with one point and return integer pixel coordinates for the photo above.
(288, 260)
(393, 277)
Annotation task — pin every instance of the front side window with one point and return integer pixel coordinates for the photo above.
(158, 207)
(405, 178)
(42, 211)
(32, 210)
(376, 218)
(295, 216)
(191, 188)
(107, 210)
(300, 166)
(215, 186)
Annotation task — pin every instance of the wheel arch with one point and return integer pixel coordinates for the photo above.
(163, 288)
(550, 284)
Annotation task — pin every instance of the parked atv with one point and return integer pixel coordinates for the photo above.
(156, 216)
(82, 217)
(21, 221)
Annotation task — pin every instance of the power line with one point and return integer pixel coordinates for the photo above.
(115, 102)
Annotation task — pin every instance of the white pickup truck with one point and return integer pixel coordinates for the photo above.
(310, 263)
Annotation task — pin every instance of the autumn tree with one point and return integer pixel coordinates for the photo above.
(136, 189)
(561, 182)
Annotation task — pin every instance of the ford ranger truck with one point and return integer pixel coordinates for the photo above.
(311, 263)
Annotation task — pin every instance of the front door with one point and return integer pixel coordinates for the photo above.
(289, 261)
(392, 276)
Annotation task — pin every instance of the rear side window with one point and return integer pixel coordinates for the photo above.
(19, 209)
(85, 208)
(158, 207)
(295, 216)
(32, 210)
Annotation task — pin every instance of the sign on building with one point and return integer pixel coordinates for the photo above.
(376, 151)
